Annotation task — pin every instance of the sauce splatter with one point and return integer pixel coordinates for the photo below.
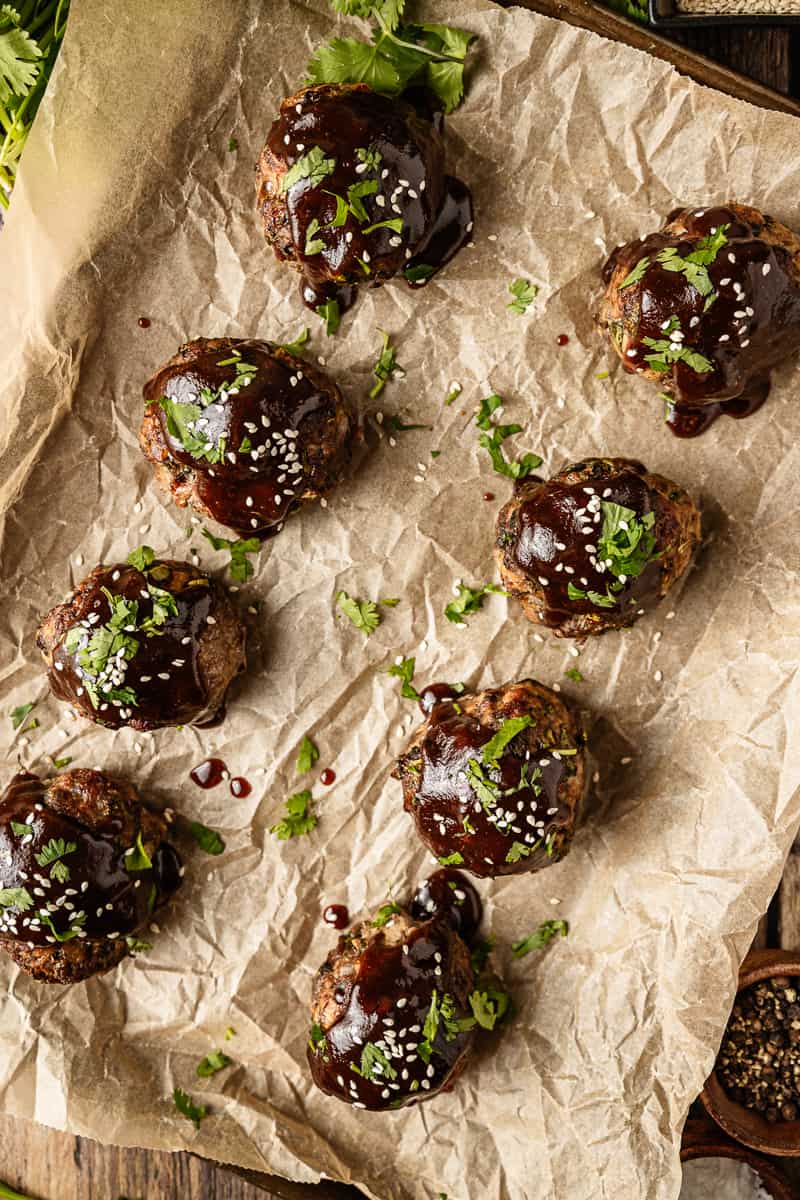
(488, 495)
(143, 322)
(240, 786)
(209, 773)
(327, 777)
(562, 339)
(336, 915)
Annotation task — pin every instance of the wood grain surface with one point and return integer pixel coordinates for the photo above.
(53, 1166)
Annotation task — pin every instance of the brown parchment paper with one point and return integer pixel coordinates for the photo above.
(130, 204)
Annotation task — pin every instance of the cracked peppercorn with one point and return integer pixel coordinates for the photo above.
(759, 1060)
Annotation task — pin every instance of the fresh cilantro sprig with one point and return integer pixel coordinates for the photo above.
(299, 818)
(52, 854)
(330, 313)
(470, 600)
(76, 924)
(398, 55)
(452, 860)
(626, 543)
(405, 671)
(187, 1107)
(21, 712)
(212, 1063)
(540, 937)
(524, 293)
(492, 441)
(307, 755)
(489, 1006)
(313, 166)
(385, 366)
(137, 858)
(299, 342)
(240, 567)
(493, 749)
(375, 1066)
(362, 613)
(207, 839)
(17, 897)
(385, 913)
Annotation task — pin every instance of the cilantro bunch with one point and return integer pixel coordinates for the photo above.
(398, 55)
(31, 32)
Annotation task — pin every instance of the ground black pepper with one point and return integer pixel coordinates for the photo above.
(759, 1060)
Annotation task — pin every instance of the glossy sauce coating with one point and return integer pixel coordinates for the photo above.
(274, 439)
(164, 673)
(557, 542)
(750, 324)
(449, 895)
(99, 897)
(406, 165)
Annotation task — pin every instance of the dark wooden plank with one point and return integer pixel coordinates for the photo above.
(761, 54)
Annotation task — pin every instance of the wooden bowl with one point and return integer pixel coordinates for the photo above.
(702, 1139)
(744, 1124)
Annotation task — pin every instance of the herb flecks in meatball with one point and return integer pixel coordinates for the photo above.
(494, 780)
(245, 432)
(146, 643)
(352, 190)
(83, 865)
(397, 1004)
(595, 546)
(705, 308)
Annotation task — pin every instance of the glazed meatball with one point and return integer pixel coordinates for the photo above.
(592, 548)
(244, 432)
(395, 1006)
(145, 645)
(494, 780)
(352, 190)
(705, 309)
(83, 865)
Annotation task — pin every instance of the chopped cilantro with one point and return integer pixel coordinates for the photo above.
(72, 932)
(239, 566)
(452, 860)
(491, 752)
(313, 166)
(314, 245)
(298, 343)
(17, 897)
(540, 937)
(626, 543)
(492, 441)
(316, 1037)
(574, 674)
(207, 839)
(307, 755)
(213, 1062)
(233, 144)
(137, 858)
(330, 314)
(519, 851)
(141, 558)
(362, 613)
(299, 818)
(136, 946)
(384, 913)
(394, 423)
(375, 1066)
(419, 272)
(51, 855)
(19, 829)
(19, 714)
(371, 159)
(596, 598)
(637, 274)
(489, 1006)
(469, 600)
(480, 954)
(187, 1108)
(524, 294)
(230, 1032)
(384, 367)
(405, 672)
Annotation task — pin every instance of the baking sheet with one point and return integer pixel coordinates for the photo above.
(131, 204)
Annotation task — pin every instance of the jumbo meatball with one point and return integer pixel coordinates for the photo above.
(595, 546)
(83, 865)
(352, 190)
(396, 1004)
(146, 643)
(705, 308)
(244, 432)
(494, 781)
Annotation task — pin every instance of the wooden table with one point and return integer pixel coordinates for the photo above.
(54, 1166)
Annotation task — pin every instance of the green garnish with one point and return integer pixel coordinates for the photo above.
(136, 946)
(489, 1006)
(313, 166)
(375, 1066)
(519, 851)
(492, 441)
(19, 714)
(307, 755)
(637, 274)
(384, 367)
(187, 1108)
(666, 352)
(316, 1037)
(330, 314)
(207, 839)
(626, 543)
(230, 1032)
(298, 343)
(68, 934)
(18, 897)
(141, 558)
(314, 245)
(384, 913)
(480, 954)
(390, 601)
(524, 294)
(453, 394)
(137, 859)
(394, 423)
(233, 144)
(51, 856)
(452, 860)
(398, 55)
(299, 818)
(442, 1015)
(470, 600)
(371, 159)
(362, 613)
(419, 273)
(393, 223)
(405, 672)
(19, 829)
(58, 763)
(182, 418)
(213, 1062)
(540, 937)
(574, 674)
(596, 598)
(239, 566)
(491, 752)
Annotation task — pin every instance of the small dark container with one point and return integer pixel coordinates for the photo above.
(664, 14)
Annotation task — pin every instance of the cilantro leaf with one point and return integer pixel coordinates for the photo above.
(375, 1066)
(519, 851)
(19, 829)
(491, 752)
(141, 558)
(452, 860)
(540, 937)
(137, 858)
(384, 913)
(75, 927)
(314, 245)
(626, 543)
(493, 441)
(137, 946)
(52, 853)
(574, 674)
(19, 714)
(213, 1062)
(596, 598)
(307, 755)
(362, 613)
(524, 294)
(299, 818)
(17, 897)
(419, 272)
(207, 839)
(384, 367)
(233, 144)
(489, 405)
(330, 314)
(637, 274)
(405, 671)
(239, 566)
(187, 1108)
(298, 343)
(469, 600)
(182, 421)
(489, 1006)
(58, 763)
(19, 62)
(480, 954)
(313, 166)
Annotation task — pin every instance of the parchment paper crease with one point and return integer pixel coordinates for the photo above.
(131, 204)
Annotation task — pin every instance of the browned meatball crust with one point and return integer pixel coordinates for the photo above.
(496, 807)
(395, 1006)
(83, 865)
(351, 189)
(244, 432)
(144, 647)
(595, 546)
(705, 308)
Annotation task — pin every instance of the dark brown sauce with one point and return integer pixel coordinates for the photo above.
(143, 322)
(100, 897)
(556, 541)
(327, 776)
(267, 427)
(436, 693)
(753, 323)
(240, 787)
(336, 915)
(562, 339)
(164, 673)
(435, 209)
(387, 1001)
(209, 773)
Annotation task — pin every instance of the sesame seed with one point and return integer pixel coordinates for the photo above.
(765, 270)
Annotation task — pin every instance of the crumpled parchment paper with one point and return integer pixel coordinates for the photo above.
(130, 203)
